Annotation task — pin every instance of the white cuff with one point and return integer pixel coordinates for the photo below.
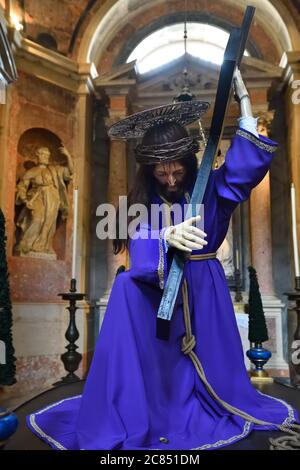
(249, 123)
(164, 237)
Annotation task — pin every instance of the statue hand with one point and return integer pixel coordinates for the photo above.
(64, 151)
(28, 204)
(240, 89)
(185, 236)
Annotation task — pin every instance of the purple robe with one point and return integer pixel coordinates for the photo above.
(141, 389)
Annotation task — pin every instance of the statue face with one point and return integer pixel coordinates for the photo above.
(43, 155)
(169, 174)
(170, 177)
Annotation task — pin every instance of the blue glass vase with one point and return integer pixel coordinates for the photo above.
(8, 425)
(259, 356)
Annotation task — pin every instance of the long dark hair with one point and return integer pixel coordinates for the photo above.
(145, 181)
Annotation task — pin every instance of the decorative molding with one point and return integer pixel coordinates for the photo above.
(120, 81)
(52, 67)
(291, 61)
(263, 66)
(117, 73)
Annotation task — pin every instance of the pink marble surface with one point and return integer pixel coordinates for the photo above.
(38, 280)
(261, 239)
(35, 374)
(35, 104)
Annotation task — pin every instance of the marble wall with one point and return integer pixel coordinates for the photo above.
(39, 338)
(39, 316)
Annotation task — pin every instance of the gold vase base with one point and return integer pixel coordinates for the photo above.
(2, 444)
(239, 307)
(260, 376)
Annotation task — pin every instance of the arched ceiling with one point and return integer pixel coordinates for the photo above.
(117, 22)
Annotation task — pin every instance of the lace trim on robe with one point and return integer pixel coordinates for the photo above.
(162, 250)
(161, 263)
(255, 140)
(247, 426)
(40, 432)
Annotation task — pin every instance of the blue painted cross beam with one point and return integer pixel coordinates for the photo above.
(232, 58)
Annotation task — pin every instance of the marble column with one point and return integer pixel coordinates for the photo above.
(261, 260)
(291, 62)
(117, 186)
(292, 103)
(260, 223)
(117, 180)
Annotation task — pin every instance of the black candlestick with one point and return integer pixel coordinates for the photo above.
(71, 359)
(294, 379)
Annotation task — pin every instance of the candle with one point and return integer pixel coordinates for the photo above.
(237, 258)
(294, 226)
(75, 216)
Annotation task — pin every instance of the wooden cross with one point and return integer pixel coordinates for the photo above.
(232, 58)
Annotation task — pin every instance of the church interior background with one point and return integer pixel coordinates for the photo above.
(82, 65)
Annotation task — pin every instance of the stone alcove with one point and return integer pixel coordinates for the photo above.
(29, 142)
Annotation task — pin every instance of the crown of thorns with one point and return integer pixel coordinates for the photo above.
(152, 154)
